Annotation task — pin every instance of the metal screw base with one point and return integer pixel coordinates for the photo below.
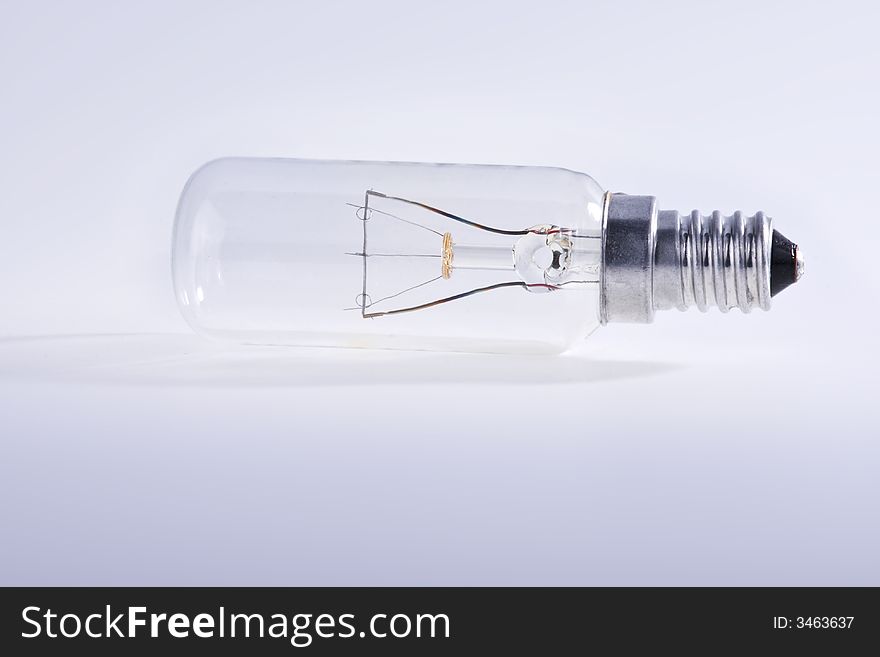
(656, 260)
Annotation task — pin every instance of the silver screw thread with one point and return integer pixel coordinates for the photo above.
(721, 261)
(659, 259)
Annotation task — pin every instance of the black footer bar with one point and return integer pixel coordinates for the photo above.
(427, 621)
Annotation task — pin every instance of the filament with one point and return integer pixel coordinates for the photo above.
(446, 256)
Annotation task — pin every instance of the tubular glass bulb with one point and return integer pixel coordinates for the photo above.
(445, 257)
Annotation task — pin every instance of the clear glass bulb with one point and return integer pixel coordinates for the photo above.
(393, 255)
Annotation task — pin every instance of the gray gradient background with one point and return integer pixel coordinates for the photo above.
(705, 449)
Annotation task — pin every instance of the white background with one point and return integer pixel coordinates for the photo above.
(704, 449)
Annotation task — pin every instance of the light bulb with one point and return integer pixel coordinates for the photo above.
(449, 257)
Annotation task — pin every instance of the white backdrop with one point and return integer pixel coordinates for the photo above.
(705, 449)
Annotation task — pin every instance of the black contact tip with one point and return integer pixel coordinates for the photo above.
(786, 263)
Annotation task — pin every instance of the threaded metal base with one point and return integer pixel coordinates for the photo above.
(656, 260)
(719, 261)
